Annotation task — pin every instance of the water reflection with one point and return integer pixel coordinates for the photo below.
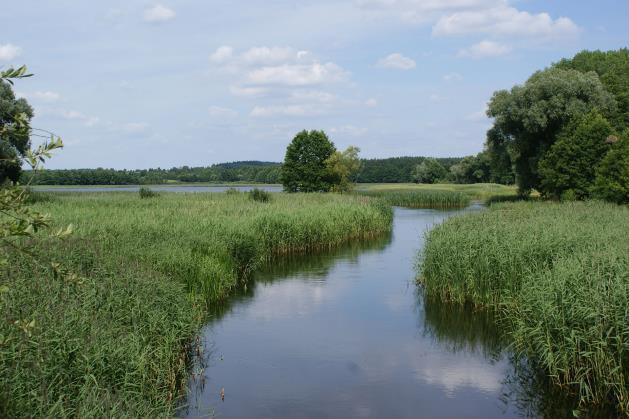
(348, 334)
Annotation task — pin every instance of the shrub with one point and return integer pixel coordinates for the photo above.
(147, 193)
(259, 195)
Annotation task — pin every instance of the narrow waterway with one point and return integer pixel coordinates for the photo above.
(349, 334)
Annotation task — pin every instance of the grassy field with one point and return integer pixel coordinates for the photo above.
(418, 198)
(115, 341)
(559, 276)
(476, 191)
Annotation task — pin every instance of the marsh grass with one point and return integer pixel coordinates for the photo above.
(416, 198)
(115, 343)
(475, 191)
(559, 275)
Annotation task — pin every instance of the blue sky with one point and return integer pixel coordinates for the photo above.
(138, 84)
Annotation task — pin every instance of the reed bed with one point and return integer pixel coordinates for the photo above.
(115, 341)
(558, 274)
(417, 198)
(475, 191)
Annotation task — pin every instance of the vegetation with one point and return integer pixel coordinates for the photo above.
(145, 192)
(418, 198)
(558, 273)
(429, 171)
(612, 174)
(259, 195)
(305, 165)
(395, 169)
(343, 166)
(479, 191)
(554, 128)
(113, 342)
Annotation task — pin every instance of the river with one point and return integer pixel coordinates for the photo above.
(349, 334)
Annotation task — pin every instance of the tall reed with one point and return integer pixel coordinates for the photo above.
(413, 198)
(558, 273)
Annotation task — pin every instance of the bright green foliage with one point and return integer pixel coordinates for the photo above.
(417, 198)
(305, 168)
(499, 153)
(532, 115)
(472, 169)
(612, 68)
(612, 174)
(429, 171)
(15, 115)
(114, 343)
(569, 165)
(343, 167)
(559, 274)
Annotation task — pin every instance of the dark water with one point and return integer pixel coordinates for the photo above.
(350, 335)
(158, 188)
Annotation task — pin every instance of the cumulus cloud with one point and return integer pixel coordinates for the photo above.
(371, 103)
(505, 21)
(452, 77)
(397, 61)
(222, 55)
(485, 49)
(9, 52)
(297, 74)
(220, 112)
(43, 96)
(285, 110)
(158, 13)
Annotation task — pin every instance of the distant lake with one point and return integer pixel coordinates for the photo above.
(158, 188)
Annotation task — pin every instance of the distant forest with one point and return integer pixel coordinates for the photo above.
(390, 170)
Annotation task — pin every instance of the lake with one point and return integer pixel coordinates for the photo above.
(349, 334)
(158, 188)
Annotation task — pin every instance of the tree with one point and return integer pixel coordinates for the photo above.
(305, 168)
(472, 169)
(531, 116)
(499, 154)
(429, 171)
(343, 166)
(15, 116)
(612, 68)
(569, 165)
(612, 174)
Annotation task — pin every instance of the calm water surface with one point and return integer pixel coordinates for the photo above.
(349, 335)
(159, 188)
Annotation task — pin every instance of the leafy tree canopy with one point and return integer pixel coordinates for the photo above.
(532, 115)
(570, 163)
(15, 116)
(343, 166)
(429, 171)
(305, 168)
(612, 174)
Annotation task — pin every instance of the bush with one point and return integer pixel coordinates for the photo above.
(147, 193)
(259, 195)
(612, 175)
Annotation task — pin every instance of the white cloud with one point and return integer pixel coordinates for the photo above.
(9, 52)
(452, 77)
(313, 96)
(397, 61)
(248, 91)
(485, 49)
(371, 103)
(285, 110)
(297, 74)
(505, 21)
(222, 54)
(420, 11)
(158, 13)
(349, 130)
(45, 96)
(268, 56)
(220, 112)
(135, 127)
(72, 115)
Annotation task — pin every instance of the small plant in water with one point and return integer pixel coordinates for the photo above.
(147, 193)
(259, 195)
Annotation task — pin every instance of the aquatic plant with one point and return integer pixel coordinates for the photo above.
(558, 273)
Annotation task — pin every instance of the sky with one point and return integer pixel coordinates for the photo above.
(138, 84)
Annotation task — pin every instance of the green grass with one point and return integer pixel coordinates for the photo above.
(115, 342)
(476, 191)
(559, 275)
(417, 198)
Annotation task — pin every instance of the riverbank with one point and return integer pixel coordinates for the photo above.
(115, 340)
(559, 275)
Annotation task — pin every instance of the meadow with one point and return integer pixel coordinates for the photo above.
(558, 275)
(116, 338)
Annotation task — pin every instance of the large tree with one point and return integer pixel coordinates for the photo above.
(15, 115)
(532, 115)
(305, 168)
(569, 165)
(612, 173)
(343, 167)
(429, 171)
